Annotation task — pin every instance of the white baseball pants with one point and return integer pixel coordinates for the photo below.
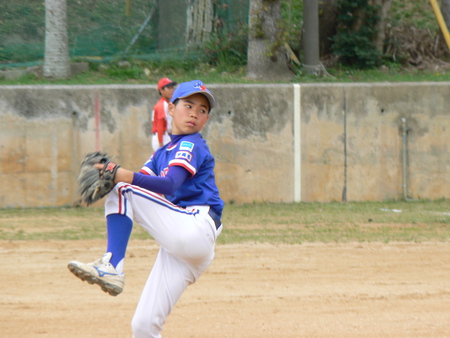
(187, 239)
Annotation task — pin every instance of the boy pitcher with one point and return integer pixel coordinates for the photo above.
(175, 198)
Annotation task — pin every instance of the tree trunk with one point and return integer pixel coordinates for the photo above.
(200, 15)
(56, 60)
(385, 7)
(266, 54)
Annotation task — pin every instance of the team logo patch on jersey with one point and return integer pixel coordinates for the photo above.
(185, 155)
(185, 145)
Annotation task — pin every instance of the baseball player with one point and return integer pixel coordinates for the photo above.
(161, 120)
(175, 198)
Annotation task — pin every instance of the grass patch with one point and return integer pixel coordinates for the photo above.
(141, 72)
(290, 223)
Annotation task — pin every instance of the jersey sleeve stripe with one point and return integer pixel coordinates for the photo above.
(147, 171)
(183, 164)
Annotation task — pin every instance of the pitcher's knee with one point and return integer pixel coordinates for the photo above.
(146, 328)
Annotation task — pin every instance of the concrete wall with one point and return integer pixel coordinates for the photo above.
(367, 118)
(280, 143)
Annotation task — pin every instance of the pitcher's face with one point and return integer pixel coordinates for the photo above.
(189, 114)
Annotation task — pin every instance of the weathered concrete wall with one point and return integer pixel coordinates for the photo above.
(349, 137)
(367, 118)
(46, 130)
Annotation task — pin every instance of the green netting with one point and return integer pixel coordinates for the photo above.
(102, 29)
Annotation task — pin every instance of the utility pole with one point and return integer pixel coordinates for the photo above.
(311, 63)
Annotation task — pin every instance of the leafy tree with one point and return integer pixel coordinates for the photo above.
(356, 30)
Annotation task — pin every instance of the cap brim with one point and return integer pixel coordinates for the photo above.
(168, 84)
(211, 99)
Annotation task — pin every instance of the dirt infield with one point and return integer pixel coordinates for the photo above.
(250, 290)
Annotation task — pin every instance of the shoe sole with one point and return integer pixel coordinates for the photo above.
(112, 289)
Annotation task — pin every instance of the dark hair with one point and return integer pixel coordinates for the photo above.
(172, 84)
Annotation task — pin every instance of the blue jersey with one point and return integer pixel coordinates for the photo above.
(192, 153)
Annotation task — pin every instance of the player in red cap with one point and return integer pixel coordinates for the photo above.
(161, 120)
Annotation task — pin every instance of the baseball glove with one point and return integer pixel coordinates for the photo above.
(93, 183)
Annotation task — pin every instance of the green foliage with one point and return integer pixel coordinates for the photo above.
(5, 55)
(189, 68)
(22, 21)
(416, 13)
(132, 72)
(292, 17)
(101, 29)
(95, 28)
(229, 49)
(22, 52)
(356, 29)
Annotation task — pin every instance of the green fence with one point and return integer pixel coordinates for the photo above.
(102, 29)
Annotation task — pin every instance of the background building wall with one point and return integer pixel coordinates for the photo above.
(350, 140)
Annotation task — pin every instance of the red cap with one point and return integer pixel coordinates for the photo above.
(165, 81)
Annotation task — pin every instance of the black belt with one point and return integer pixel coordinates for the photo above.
(215, 218)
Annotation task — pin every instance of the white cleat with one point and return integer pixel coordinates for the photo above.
(100, 272)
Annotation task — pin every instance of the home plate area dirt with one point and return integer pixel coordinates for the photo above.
(250, 290)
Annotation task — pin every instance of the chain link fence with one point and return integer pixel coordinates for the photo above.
(104, 29)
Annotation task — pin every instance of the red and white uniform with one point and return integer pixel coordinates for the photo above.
(162, 123)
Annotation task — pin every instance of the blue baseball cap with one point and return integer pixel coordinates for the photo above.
(186, 89)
